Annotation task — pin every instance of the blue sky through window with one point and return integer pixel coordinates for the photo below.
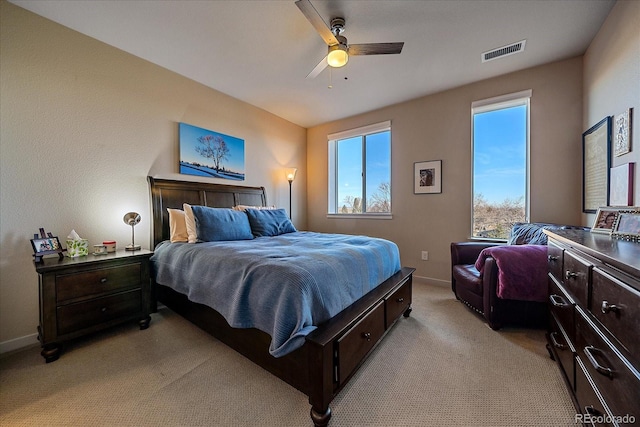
(500, 153)
(378, 163)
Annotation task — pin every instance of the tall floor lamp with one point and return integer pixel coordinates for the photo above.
(291, 175)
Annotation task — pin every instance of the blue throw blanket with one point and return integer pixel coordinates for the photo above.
(283, 285)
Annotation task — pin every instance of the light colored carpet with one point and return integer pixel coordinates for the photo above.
(441, 367)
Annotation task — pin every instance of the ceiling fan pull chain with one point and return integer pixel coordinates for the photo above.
(330, 74)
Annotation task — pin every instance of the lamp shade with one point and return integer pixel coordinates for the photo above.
(338, 56)
(290, 173)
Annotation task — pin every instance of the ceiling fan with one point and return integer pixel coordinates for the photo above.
(338, 49)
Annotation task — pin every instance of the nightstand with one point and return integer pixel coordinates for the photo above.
(79, 296)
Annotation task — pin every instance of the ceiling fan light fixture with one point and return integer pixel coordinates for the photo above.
(338, 56)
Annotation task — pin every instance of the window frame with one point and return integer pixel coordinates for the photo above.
(332, 193)
(492, 104)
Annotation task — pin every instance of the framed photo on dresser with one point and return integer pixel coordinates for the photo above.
(627, 224)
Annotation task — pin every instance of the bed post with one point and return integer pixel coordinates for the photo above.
(320, 380)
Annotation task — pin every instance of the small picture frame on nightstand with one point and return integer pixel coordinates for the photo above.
(46, 244)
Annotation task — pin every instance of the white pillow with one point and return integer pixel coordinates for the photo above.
(245, 207)
(177, 226)
(190, 222)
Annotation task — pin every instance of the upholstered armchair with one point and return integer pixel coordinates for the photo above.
(514, 295)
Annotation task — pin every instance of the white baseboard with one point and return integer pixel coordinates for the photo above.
(432, 281)
(18, 343)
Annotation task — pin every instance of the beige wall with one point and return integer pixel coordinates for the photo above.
(612, 79)
(438, 127)
(83, 124)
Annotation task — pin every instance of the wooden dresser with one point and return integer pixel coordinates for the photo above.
(82, 295)
(594, 334)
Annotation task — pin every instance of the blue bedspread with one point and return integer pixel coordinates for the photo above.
(284, 285)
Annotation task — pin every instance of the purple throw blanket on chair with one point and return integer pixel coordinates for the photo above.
(522, 271)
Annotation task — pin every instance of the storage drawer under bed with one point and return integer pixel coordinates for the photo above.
(353, 346)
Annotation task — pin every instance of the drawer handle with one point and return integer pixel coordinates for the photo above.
(400, 300)
(555, 342)
(607, 308)
(589, 350)
(366, 335)
(557, 301)
(103, 309)
(103, 280)
(552, 258)
(570, 275)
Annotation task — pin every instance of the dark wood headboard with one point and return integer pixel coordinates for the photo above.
(167, 193)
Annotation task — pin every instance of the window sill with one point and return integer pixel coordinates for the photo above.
(487, 239)
(360, 216)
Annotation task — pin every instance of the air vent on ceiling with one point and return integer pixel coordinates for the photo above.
(503, 51)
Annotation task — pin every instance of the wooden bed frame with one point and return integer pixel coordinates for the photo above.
(331, 354)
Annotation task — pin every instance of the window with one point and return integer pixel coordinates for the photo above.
(360, 171)
(500, 164)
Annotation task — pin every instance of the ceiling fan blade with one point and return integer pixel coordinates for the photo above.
(318, 68)
(375, 48)
(316, 20)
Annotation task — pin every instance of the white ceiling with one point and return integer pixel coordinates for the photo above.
(261, 51)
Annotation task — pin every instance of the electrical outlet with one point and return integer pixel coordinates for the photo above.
(425, 255)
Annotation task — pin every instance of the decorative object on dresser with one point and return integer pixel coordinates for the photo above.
(506, 284)
(605, 219)
(627, 225)
(621, 189)
(45, 244)
(132, 219)
(594, 295)
(596, 160)
(331, 353)
(79, 296)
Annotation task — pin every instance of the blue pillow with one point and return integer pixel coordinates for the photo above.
(217, 224)
(269, 222)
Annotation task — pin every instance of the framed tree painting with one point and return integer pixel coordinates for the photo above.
(596, 160)
(207, 153)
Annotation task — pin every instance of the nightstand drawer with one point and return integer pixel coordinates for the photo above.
(94, 282)
(73, 317)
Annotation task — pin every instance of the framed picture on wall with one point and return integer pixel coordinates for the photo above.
(622, 133)
(210, 154)
(427, 177)
(596, 160)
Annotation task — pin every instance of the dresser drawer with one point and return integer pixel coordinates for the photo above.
(562, 308)
(82, 315)
(576, 277)
(591, 407)
(563, 350)
(94, 282)
(617, 306)
(618, 384)
(359, 340)
(397, 303)
(554, 260)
